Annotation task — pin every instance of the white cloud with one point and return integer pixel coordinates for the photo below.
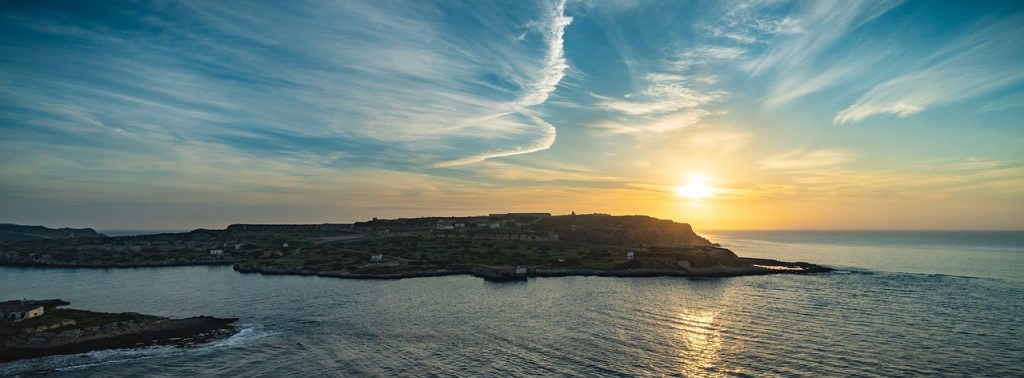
(706, 54)
(800, 159)
(555, 64)
(1015, 100)
(656, 124)
(543, 143)
(973, 64)
(664, 93)
(552, 73)
(824, 23)
(789, 43)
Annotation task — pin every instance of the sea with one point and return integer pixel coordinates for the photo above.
(902, 303)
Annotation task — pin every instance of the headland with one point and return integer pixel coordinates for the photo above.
(508, 246)
(37, 328)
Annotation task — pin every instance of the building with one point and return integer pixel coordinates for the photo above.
(520, 215)
(630, 255)
(501, 273)
(289, 227)
(377, 258)
(216, 251)
(13, 311)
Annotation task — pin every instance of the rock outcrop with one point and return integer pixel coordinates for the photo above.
(63, 334)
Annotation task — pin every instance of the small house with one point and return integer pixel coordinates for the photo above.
(377, 258)
(501, 273)
(13, 311)
(216, 251)
(630, 256)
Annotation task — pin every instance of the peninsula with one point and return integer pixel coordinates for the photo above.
(495, 246)
(37, 328)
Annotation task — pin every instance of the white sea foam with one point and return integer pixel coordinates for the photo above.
(73, 362)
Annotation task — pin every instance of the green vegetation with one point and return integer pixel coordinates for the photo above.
(587, 242)
(57, 318)
(415, 253)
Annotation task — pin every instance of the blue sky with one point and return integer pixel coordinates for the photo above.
(843, 114)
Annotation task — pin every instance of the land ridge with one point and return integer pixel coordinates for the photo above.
(494, 246)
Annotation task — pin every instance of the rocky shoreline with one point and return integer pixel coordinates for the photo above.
(754, 267)
(113, 265)
(129, 331)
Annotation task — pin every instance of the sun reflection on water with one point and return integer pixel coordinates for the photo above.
(700, 342)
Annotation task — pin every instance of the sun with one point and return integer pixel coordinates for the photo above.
(696, 188)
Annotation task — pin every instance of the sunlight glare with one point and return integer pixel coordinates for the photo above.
(696, 188)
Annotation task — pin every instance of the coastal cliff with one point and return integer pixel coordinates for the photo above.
(630, 230)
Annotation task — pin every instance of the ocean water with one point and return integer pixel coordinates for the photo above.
(902, 304)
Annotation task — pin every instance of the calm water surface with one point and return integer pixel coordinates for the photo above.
(911, 303)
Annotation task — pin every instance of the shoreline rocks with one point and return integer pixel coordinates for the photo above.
(135, 330)
(752, 267)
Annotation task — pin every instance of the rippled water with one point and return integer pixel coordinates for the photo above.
(884, 314)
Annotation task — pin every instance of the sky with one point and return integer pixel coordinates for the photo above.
(722, 114)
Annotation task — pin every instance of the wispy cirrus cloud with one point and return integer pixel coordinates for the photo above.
(802, 159)
(664, 93)
(703, 55)
(543, 143)
(791, 45)
(975, 63)
(552, 73)
(668, 102)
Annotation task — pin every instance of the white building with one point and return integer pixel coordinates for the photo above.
(377, 258)
(630, 255)
(216, 251)
(13, 311)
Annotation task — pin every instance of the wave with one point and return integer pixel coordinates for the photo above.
(73, 362)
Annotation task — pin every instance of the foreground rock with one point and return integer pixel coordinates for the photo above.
(69, 331)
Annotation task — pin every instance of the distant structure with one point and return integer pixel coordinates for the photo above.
(289, 227)
(216, 251)
(501, 273)
(14, 311)
(520, 215)
(377, 258)
(630, 256)
(510, 235)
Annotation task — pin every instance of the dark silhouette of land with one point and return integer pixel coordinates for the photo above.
(69, 331)
(529, 244)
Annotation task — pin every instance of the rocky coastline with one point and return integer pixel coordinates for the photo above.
(751, 267)
(58, 332)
